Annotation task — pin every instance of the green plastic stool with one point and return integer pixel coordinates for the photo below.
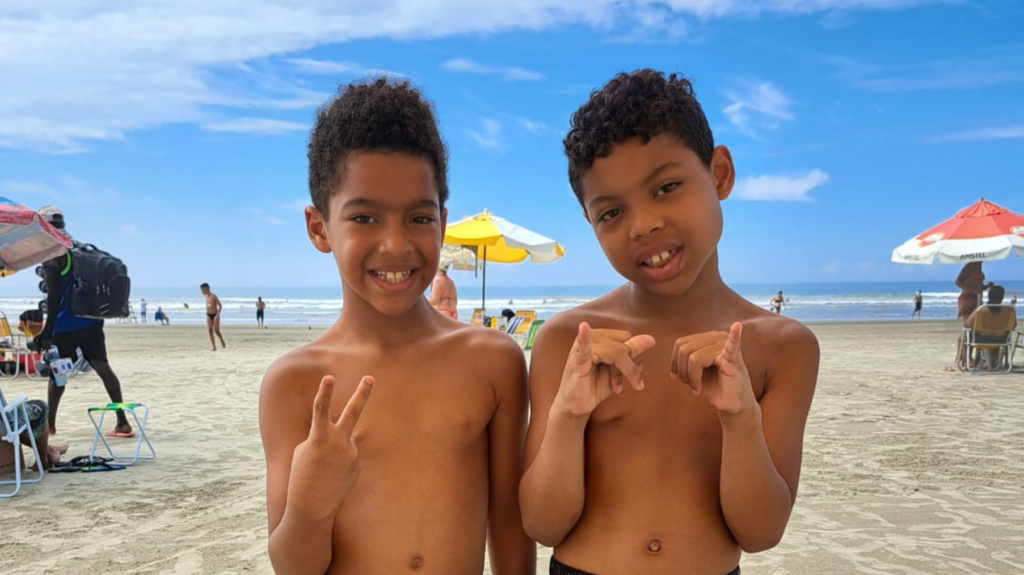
(140, 430)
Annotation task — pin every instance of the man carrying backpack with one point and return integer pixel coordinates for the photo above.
(70, 333)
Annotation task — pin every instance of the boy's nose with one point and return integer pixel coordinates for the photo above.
(395, 241)
(646, 222)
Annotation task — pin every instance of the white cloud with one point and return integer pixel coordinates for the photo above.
(263, 216)
(780, 188)
(980, 134)
(257, 125)
(990, 67)
(296, 205)
(507, 73)
(488, 137)
(757, 106)
(80, 72)
(327, 67)
(532, 126)
(330, 67)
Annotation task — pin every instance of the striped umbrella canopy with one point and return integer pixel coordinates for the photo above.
(488, 238)
(26, 239)
(980, 232)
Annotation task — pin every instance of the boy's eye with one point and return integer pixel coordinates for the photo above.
(423, 220)
(604, 217)
(362, 219)
(667, 188)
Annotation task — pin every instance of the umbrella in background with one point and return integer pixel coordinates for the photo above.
(26, 239)
(981, 232)
(488, 238)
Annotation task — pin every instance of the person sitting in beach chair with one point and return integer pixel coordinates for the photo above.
(989, 328)
(49, 455)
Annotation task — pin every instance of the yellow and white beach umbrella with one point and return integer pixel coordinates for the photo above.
(488, 238)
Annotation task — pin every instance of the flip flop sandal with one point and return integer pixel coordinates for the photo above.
(103, 466)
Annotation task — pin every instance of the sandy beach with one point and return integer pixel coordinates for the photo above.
(907, 469)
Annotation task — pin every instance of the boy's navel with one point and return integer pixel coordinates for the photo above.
(416, 562)
(654, 546)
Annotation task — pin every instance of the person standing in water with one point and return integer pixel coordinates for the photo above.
(918, 304)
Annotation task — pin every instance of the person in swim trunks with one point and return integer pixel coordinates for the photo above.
(443, 294)
(556, 567)
(213, 309)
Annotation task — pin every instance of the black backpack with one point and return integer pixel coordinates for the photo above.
(100, 285)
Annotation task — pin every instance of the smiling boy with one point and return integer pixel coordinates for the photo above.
(416, 477)
(667, 416)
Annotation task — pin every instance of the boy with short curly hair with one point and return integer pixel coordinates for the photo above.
(418, 477)
(659, 446)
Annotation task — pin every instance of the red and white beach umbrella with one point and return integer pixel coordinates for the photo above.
(26, 239)
(978, 233)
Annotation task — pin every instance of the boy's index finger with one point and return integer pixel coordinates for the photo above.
(731, 350)
(581, 349)
(355, 406)
(322, 405)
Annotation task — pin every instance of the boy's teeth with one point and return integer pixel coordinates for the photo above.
(657, 259)
(394, 277)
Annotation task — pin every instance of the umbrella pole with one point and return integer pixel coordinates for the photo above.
(483, 295)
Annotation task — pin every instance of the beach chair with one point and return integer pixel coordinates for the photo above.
(13, 348)
(13, 423)
(527, 343)
(513, 325)
(478, 317)
(993, 329)
(529, 316)
(140, 431)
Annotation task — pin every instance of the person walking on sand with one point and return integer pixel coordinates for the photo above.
(260, 306)
(918, 304)
(142, 310)
(72, 334)
(443, 294)
(213, 309)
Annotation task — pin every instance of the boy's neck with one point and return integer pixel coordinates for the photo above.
(699, 302)
(360, 321)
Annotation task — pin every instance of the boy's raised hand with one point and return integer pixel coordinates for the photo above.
(325, 466)
(711, 363)
(598, 364)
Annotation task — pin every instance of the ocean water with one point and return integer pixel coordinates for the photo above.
(811, 302)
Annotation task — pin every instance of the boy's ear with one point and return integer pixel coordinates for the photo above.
(723, 173)
(316, 227)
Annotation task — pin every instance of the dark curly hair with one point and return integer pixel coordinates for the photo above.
(374, 115)
(640, 104)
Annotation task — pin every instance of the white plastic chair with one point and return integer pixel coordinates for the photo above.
(13, 423)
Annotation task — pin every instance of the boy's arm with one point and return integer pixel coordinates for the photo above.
(296, 544)
(511, 551)
(762, 447)
(551, 493)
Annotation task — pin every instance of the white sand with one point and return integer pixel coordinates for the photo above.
(907, 469)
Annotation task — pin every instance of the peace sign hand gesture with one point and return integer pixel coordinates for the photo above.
(325, 466)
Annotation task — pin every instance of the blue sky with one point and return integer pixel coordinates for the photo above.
(174, 134)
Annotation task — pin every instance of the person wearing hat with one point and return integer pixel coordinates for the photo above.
(70, 333)
(443, 294)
